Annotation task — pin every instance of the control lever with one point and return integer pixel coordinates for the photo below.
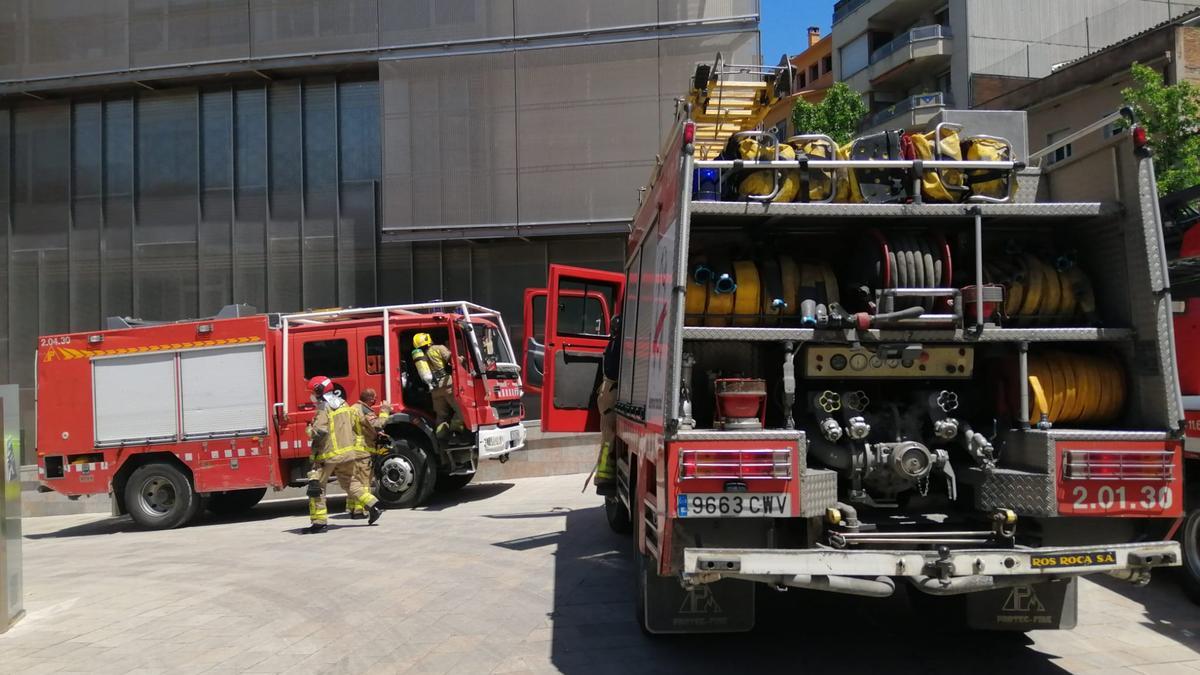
(789, 383)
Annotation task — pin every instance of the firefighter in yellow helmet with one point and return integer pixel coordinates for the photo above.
(435, 366)
(375, 441)
(338, 443)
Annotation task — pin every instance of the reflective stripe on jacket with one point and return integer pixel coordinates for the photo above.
(343, 431)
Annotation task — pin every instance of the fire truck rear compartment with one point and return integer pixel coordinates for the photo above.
(917, 416)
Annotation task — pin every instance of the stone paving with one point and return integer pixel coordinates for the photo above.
(503, 577)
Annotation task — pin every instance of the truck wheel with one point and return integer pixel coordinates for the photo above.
(446, 483)
(1189, 540)
(407, 476)
(617, 515)
(235, 502)
(160, 497)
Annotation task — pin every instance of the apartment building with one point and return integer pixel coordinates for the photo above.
(912, 58)
(812, 76)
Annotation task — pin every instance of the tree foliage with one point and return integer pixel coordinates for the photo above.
(837, 116)
(1171, 116)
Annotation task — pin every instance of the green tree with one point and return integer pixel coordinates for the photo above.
(1171, 115)
(837, 116)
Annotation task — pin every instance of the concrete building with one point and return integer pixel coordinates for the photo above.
(1082, 91)
(911, 58)
(162, 158)
(813, 75)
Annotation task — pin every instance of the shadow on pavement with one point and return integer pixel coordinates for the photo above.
(267, 510)
(1167, 609)
(595, 629)
(441, 501)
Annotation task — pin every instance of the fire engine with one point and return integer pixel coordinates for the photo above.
(172, 417)
(913, 362)
(1180, 217)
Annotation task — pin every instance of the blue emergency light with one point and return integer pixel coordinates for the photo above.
(706, 185)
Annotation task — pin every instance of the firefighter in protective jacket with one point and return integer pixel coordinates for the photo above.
(375, 441)
(338, 440)
(606, 399)
(435, 365)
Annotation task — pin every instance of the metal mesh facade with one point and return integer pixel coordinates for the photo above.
(293, 154)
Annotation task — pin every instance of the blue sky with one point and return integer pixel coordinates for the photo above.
(785, 25)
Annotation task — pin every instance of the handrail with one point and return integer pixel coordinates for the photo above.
(935, 98)
(935, 32)
(845, 8)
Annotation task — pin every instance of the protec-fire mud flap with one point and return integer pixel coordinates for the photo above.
(1045, 606)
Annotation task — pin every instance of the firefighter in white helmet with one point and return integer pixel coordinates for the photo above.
(435, 366)
(376, 443)
(338, 440)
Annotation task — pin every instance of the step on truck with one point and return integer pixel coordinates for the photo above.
(169, 418)
(912, 363)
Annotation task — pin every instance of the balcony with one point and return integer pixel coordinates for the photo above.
(845, 8)
(911, 56)
(911, 113)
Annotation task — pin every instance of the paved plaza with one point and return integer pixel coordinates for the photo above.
(503, 577)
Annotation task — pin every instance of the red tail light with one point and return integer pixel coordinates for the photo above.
(735, 464)
(1119, 465)
(1139, 137)
(689, 133)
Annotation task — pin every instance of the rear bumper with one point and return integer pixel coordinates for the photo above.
(496, 442)
(703, 565)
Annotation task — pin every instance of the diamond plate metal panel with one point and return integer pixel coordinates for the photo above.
(818, 491)
(1026, 493)
(754, 210)
(742, 334)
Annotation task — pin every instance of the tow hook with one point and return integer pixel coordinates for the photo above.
(942, 568)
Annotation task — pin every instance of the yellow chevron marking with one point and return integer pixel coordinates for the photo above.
(69, 354)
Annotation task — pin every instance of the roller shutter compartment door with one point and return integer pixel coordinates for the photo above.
(135, 398)
(224, 391)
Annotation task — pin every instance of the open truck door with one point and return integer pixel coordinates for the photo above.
(568, 324)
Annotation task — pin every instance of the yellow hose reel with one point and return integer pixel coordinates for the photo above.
(1075, 389)
(1040, 293)
(745, 294)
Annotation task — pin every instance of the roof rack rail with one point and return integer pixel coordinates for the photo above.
(226, 312)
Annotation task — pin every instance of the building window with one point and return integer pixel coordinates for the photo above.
(942, 16)
(330, 358)
(827, 64)
(812, 73)
(801, 80)
(1061, 153)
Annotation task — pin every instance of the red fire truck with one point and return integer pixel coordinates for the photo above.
(956, 381)
(168, 418)
(1180, 219)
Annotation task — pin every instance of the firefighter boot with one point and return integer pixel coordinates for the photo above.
(606, 481)
(373, 513)
(317, 528)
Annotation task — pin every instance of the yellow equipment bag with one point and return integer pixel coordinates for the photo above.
(848, 191)
(820, 183)
(762, 183)
(988, 182)
(945, 186)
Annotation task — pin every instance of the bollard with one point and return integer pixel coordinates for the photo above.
(11, 601)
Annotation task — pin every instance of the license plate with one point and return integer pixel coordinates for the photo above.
(1088, 559)
(744, 505)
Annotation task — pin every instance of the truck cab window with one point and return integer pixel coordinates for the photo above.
(373, 355)
(583, 309)
(330, 358)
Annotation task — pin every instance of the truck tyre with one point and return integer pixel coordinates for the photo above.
(160, 497)
(617, 515)
(448, 483)
(235, 502)
(1189, 541)
(407, 476)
